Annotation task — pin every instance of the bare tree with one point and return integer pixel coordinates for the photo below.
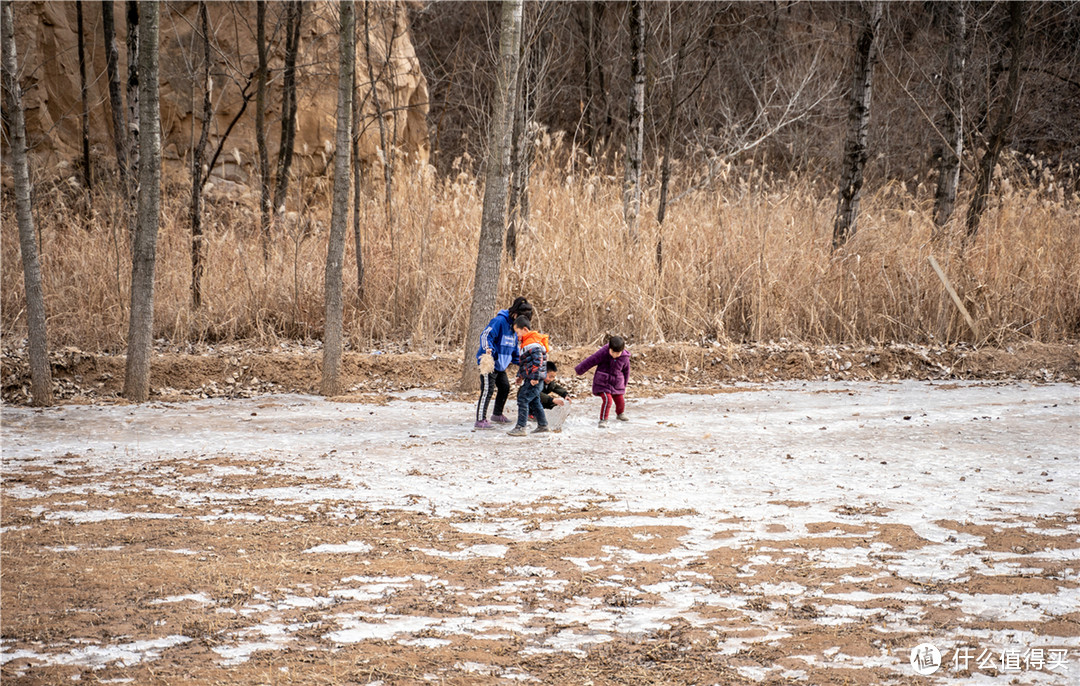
(141, 323)
(246, 96)
(41, 391)
(87, 175)
(952, 127)
(1000, 132)
(339, 214)
(116, 104)
(133, 94)
(294, 14)
(197, 170)
(519, 152)
(357, 180)
(754, 94)
(260, 128)
(534, 54)
(685, 43)
(665, 166)
(855, 149)
(596, 114)
(493, 217)
(671, 125)
(635, 134)
(386, 140)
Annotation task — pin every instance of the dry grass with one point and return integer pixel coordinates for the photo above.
(747, 259)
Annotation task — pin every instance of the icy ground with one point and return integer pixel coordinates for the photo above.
(730, 471)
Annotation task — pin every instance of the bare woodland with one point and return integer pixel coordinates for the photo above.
(184, 173)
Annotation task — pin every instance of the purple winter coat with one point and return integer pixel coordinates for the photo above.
(611, 374)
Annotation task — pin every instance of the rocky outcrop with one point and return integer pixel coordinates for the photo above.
(47, 45)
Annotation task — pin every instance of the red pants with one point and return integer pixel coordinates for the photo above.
(606, 400)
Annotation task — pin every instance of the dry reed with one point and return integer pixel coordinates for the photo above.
(746, 259)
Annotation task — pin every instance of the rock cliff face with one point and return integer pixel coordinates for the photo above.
(45, 35)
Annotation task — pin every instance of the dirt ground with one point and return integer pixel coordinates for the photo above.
(766, 534)
(217, 583)
(239, 371)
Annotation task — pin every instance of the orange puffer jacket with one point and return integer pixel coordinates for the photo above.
(533, 356)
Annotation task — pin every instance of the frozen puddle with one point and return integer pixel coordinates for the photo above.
(933, 513)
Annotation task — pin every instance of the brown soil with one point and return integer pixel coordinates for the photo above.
(70, 584)
(239, 371)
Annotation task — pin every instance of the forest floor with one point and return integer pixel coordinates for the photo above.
(243, 371)
(751, 523)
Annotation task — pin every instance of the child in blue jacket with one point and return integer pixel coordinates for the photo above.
(500, 342)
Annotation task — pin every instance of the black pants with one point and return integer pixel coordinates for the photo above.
(497, 383)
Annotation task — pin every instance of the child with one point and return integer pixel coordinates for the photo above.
(531, 372)
(552, 394)
(612, 364)
(498, 349)
(555, 399)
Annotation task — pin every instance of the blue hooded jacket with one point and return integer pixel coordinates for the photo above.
(500, 337)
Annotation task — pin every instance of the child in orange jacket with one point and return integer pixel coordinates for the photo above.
(532, 369)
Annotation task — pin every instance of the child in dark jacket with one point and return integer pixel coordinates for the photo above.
(532, 369)
(555, 399)
(553, 393)
(612, 364)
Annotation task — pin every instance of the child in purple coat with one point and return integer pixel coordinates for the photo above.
(612, 364)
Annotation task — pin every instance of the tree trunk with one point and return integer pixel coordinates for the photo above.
(635, 135)
(855, 149)
(133, 95)
(260, 129)
(1000, 133)
(952, 127)
(517, 152)
(339, 213)
(197, 169)
(245, 99)
(493, 218)
(665, 168)
(87, 175)
(384, 144)
(387, 139)
(533, 97)
(141, 324)
(528, 83)
(587, 25)
(293, 21)
(116, 103)
(41, 391)
(356, 178)
(596, 114)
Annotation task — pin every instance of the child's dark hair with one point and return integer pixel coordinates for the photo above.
(616, 344)
(551, 366)
(521, 307)
(522, 322)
